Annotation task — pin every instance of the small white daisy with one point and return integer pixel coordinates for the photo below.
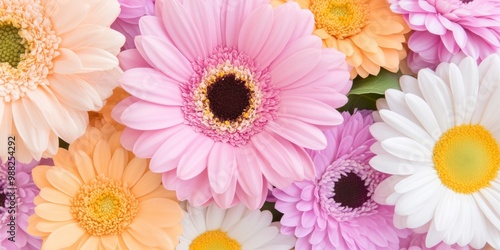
(439, 139)
(236, 228)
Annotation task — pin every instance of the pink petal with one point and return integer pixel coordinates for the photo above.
(195, 159)
(282, 28)
(168, 155)
(184, 34)
(221, 167)
(309, 110)
(129, 137)
(249, 175)
(152, 26)
(150, 85)
(280, 155)
(225, 199)
(146, 145)
(204, 19)
(297, 132)
(164, 56)
(149, 116)
(294, 67)
(131, 58)
(255, 30)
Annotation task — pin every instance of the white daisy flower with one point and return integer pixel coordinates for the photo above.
(236, 228)
(439, 139)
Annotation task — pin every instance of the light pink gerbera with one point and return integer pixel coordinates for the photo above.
(335, 210)
(127, 22)
(17, 192)
(225, 96)
(444, 28)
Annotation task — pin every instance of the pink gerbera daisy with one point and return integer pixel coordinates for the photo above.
(17, 192)
(128, 20)
(444, 28)
(335, 210)
(225, 96)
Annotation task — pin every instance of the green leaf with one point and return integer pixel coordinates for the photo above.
(375, 84)
(366, 101)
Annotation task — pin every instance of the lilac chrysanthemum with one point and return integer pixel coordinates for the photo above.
(445, 28)
(225, 96)
(335, 211)
(127, 22)
(20, 205)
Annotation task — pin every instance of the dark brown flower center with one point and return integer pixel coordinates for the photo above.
(350, 191)
(228, 97)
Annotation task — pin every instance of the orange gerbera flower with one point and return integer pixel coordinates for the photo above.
(99, 196)
(367, 32)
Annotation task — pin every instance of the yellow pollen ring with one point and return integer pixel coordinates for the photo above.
(215, 239)
(340, 18)
(467, 158)
(104, 206)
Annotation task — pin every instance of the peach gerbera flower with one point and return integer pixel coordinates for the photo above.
(367, 32)
(99, 196)
(103, 116)
(58, 61)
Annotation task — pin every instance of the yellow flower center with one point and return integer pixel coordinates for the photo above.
(214, 240)
(467, 158)
(104, 206)
(340, 18)
(28, 45)
(12, 46)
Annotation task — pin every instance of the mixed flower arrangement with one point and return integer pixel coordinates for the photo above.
(249, 124)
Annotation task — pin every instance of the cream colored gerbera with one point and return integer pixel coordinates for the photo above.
(99, 196)
(366, 31)
(57, 61)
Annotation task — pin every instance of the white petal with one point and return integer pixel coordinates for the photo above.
(407, 127)
(425, 115)
(396, 101)
(438, 96)
(457, 86)
(406, 148)
(470, 76)
(421, 178)
(412, 202)
(447, 211)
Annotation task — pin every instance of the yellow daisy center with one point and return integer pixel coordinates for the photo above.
(467, 158)
(340, 18)
(12, 46)
(214, 240)
(104, 206)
